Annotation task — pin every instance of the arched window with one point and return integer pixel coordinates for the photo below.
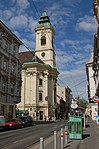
(43, 40)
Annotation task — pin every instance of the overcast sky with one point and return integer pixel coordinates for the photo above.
(74, 25)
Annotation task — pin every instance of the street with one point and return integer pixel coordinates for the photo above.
(25, 137)
(90, 139)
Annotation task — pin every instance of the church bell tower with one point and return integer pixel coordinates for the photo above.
(45, 40)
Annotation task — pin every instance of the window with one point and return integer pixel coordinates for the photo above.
(13, 68)
(14, 49)
(0, 61)
(2, 109)
(12, 88)
(4, 85)
(5, 65)
(40, 96)
(6, 45)
(43, 54)
(43, 40)
(0, 40)
(40, 82)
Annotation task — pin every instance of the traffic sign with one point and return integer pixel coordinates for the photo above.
(95, 98)
(74, 105)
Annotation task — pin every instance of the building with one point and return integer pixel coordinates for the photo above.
(10, 72)
(96, 47)
(64, 99)
(92, 67)
(91, 86)
(90, 77)
(39, 73)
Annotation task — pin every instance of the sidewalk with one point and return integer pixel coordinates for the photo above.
(90, 139)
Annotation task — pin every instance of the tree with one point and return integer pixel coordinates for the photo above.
(82, 103)
(52, 110)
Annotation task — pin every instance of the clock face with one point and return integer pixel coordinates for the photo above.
(43, 54)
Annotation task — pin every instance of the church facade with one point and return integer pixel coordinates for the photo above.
(39, 74)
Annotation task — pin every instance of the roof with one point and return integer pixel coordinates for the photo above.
(44, 20)
(29, 56)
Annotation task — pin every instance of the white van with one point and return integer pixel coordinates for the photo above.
(2, 122)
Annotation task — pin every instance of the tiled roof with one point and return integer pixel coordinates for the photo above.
(29, 56)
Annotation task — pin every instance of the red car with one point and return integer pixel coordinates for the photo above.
(13, 123)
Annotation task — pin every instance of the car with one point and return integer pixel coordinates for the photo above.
(2, 123)
(27, 120)
(13, 123)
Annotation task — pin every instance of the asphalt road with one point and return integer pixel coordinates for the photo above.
(25, 137)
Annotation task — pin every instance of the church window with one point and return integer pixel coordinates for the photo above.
(43, 54)
(40, 82)
(40, 96)
(43, 40)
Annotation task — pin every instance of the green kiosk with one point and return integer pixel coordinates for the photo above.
(75, 127)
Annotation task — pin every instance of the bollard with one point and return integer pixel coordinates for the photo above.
(41, 143)
(55, 140)
(62, 139)
(66, 135)
(84, 121)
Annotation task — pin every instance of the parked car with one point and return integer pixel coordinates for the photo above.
(13, 123)
(27, 120)
(2, 123)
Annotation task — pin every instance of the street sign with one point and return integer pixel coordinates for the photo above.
(74, 105)
(95, 98)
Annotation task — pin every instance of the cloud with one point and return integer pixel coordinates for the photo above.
(88, 47)
(23, 4)
(22, 22)
(57, 16)
(72, 3)
(72, 44)
(18, 22)
(76, 80)
(87, 24)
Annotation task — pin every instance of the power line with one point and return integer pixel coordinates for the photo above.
(79, 83)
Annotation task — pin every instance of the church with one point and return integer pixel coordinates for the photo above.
(39, 74)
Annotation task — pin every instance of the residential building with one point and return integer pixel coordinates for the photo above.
(64, 99)
(10, 72)
(96, 47)
(91, 86)
(39, 73)
(92, 67)
(90, 77)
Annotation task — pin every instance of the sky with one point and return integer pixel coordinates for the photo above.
(74, 25)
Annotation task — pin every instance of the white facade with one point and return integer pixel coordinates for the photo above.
(91, 86)
(94, 109)
(47, 49)
(39, 74)
(90, 76)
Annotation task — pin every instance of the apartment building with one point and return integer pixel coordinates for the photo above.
(10, 72)
(64, 99)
